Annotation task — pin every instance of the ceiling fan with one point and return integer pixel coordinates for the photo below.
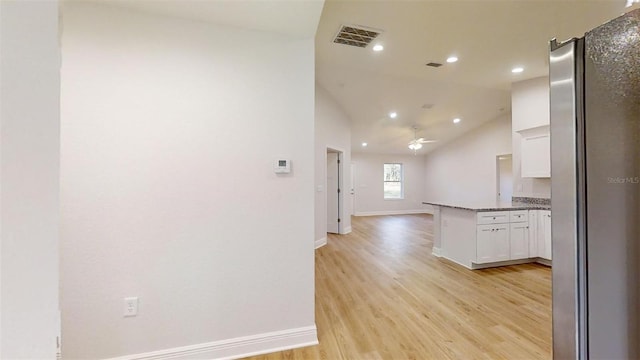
(416, 143)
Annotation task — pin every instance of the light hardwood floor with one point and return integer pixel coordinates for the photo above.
(380, 294)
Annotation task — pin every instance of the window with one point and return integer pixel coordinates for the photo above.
(393, 181)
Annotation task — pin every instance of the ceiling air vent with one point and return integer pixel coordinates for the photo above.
(355, 36)
(434, 64)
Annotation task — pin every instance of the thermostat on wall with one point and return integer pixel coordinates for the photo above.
(282, 166)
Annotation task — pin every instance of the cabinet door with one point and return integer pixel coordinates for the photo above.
(492, 243)
(544, 234)
(519, 241)
(547, 236)
(533, 233)
(535, 159)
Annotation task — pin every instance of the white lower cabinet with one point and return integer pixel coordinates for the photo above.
(513, 235)
(544, 234)
(502, 236)
(519, 241)
(533, 233)
(492, 243)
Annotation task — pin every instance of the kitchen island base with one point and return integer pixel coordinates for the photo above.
(482, 237)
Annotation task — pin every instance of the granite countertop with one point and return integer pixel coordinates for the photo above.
(491, 205)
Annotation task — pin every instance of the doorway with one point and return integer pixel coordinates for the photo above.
(334, 190)
(352, 191)
(504, 178)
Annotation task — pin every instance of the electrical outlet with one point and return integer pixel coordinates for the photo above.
(130, 306)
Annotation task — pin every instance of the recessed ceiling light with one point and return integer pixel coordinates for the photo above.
(378, 47)
(517, 70)
(452, 59)
(393, 114)
(364, 144)
(456, 120)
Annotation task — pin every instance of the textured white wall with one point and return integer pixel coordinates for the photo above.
(369, 175)
(29, 203)
(529, 108)
(465, 169)
(332, 130)
(170, 129)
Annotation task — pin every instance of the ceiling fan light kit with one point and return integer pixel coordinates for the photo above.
(416, 144)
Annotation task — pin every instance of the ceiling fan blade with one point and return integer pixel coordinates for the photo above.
(427, 141)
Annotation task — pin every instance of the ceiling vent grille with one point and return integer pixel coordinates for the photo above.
(355, 36)
(434, 64)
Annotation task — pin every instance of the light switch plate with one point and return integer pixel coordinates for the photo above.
(130, 306)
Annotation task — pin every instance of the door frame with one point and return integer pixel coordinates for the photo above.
(341, 194)
(498, 173)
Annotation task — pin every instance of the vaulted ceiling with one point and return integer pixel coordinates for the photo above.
(489, 38)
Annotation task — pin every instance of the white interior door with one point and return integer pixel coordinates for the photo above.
(333, 179)
(505, 178)
(352, 190)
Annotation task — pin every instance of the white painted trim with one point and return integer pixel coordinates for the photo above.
(437, 252)
(543, 261)
(429, 211)
(475, 266)
(321, 242)
(236, 348)
(392, 212)
(346, 230)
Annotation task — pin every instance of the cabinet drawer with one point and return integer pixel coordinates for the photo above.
(519, 216)
(493, 217)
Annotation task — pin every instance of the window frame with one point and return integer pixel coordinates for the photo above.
(385, 181)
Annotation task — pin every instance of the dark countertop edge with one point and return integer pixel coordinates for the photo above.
(484, 209)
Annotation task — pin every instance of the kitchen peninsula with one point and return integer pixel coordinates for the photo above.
(488, 234)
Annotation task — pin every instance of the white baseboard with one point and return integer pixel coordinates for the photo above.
(237, 347)
(437, 252)
(392, 212)
(475, 266)
(346, 230)
(543, 261)
(321, 242)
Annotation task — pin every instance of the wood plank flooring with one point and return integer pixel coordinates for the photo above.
(380, 294)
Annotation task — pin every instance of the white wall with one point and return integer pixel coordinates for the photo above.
(530, 108)
(170, 129)
(29, 203)
(465, 169)
(369, 185)
(332, 130)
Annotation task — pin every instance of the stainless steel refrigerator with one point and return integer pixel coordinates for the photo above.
(595, 192)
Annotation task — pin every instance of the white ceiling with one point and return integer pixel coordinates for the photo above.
(295, 18)
(489, 38)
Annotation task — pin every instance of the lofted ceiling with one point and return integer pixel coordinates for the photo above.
(489, 38)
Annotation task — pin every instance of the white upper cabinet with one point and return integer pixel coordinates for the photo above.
(535, 152)
(530, 103)
(530, 122)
